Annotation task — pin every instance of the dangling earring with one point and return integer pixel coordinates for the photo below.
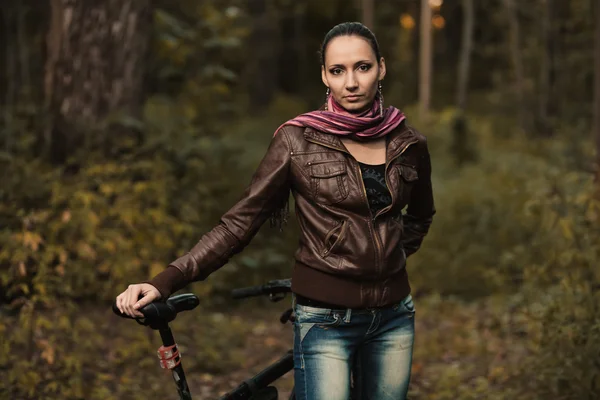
(326, 97)
(380, 93)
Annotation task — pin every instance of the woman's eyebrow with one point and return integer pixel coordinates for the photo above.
(356, 64)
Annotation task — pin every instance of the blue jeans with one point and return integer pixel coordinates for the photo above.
(363, 353)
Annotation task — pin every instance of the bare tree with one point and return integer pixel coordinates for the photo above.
(517, 59)
(546, 67)
(368, 13)
(425, 59)
(465, 54)
(97, 54)
(461, 148)
(597, 92)
(264, 42)
(8, 67)
(21, 64)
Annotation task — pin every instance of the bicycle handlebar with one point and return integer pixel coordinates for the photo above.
(269, 288)
(158, 314)
(164, 311)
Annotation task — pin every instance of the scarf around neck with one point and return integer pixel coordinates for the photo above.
(367, 125)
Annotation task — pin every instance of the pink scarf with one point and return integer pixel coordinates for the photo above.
(337, 121)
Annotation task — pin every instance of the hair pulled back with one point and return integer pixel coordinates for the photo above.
(350, 29)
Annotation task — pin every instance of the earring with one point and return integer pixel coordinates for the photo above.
(327, 91)
(380, 93)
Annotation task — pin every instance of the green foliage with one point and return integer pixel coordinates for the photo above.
(77, 234)
(196, 57)
(467, 354)
(70, 238)
(522, 224)
(77, 352)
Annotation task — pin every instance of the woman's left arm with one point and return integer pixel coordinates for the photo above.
(421, 209)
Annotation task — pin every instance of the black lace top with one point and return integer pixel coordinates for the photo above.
(378, 194)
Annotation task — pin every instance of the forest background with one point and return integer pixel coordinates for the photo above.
(127, 127)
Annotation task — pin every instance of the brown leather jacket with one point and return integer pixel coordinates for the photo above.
(346, 255)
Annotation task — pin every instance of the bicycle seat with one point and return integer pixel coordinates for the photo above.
(163, 312)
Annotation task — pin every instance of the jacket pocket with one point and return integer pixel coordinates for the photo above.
(329, 181)
(331, 241)
(407, 177)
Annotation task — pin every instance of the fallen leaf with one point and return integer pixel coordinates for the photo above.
(22, 269)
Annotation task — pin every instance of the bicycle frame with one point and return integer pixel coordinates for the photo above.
(177, 371)
(257, 387)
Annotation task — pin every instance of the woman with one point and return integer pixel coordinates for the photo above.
(352, 167)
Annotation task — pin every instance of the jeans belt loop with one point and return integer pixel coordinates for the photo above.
(347, 316)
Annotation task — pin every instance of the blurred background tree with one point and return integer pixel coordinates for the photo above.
(115, 116)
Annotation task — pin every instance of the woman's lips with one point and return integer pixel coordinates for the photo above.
(353, 97)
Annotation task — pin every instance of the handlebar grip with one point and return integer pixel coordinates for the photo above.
(154, 311)
(163, 311)
(118, 312)
(247, 292)
(183, 302)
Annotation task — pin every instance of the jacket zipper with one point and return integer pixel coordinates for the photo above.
(387, 164)
(378, 250)
(341, 229)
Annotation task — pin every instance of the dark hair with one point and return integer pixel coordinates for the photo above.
(350, 29)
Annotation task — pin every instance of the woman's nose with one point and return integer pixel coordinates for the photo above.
(351, 82)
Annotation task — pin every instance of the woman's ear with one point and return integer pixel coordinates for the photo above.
(382, 69)
(324, 76)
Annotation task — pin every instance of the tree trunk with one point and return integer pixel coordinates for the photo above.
(96, 58)
(425, 60)
(546, 67)
(461, 149)
(412, 81)
(368, 18)
(465, 54)
(517, 60)
(304, 67)
(24, 49)
(8, 69)
(292, 62)
(265, 47)
(597, 93)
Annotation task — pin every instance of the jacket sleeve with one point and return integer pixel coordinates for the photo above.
(268, 189)
(421, 209)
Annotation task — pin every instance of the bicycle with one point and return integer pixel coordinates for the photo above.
(158, 314)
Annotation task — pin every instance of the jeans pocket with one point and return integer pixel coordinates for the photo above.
(308, 317)
(405, 305)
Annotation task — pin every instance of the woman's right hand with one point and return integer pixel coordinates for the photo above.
(129, 302)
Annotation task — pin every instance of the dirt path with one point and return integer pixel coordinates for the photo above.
(266, 343)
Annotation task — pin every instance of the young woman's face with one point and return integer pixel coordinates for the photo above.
(351, 72)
